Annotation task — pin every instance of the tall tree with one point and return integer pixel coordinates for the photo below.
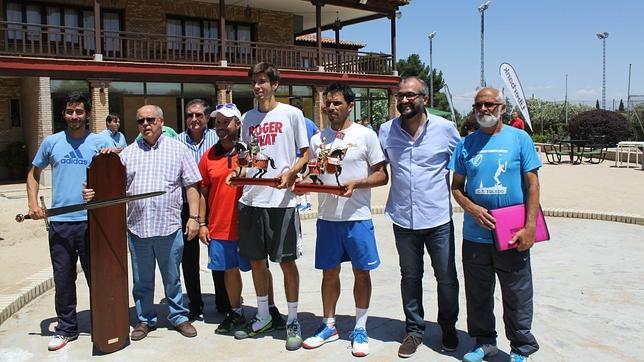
(621, 105)
(413, 66)
(597, 104)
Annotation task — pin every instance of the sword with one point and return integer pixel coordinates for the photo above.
(87, 206)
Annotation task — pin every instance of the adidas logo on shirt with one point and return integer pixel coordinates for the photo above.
(74, 158)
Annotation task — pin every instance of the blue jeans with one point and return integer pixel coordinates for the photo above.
(167, 250)
(411, 244)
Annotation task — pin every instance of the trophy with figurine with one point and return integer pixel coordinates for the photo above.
(251, 157)
(327, 162)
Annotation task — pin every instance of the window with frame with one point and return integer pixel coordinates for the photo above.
(193, 34)
(73, 25)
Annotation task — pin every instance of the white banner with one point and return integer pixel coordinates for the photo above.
(512, 82)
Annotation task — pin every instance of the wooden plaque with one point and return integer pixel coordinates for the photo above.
(242, 181)
(108, 256)
(327, 189)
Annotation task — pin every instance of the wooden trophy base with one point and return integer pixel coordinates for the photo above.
(326, 189)
(243, 181)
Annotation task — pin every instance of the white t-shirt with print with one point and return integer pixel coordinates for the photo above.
(279, 132)
(363, 151)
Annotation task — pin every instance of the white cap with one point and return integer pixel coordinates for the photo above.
(227, 109)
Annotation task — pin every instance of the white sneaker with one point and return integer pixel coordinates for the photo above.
(359, 342)
(57, 342)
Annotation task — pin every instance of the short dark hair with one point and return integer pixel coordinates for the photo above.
(424, 89)
(201, 102)
(338, 87)
(78, 97)
(110, 117)
(269, 69)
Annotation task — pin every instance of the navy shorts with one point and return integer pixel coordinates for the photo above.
(340, 241)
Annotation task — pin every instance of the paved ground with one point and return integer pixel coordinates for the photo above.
(586, 273)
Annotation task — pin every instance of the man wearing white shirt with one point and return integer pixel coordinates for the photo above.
(344, 227)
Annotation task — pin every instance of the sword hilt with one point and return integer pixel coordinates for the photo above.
(44, 209)
(21, 217)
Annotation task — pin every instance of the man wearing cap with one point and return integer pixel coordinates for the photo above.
(198, 138)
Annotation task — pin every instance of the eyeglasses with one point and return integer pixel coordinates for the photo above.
(488, 105)
(225, 105)
(79, 112)
(148, 120)
(409, 95)
(197, 115)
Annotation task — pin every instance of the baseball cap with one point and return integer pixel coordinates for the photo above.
(227, 109)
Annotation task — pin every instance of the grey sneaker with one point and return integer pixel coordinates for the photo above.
(233, 322)
(249, 331)
(293, 336)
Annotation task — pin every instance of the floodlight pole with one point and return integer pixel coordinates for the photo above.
(602, 37)
(566, 100)
(431, 71)
(482, 9)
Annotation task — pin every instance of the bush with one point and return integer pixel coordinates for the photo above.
(592, 124)
(541, 138)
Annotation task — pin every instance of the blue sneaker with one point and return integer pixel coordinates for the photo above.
(515, 357)
(359, 342)
(323, 335)
(479, 352)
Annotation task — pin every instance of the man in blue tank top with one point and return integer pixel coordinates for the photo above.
(69, 153)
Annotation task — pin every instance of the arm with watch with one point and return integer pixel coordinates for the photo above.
(192, 225)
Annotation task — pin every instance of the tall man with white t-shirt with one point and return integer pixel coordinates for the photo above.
(268, 221)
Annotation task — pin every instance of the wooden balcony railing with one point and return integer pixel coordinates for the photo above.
(24, 39)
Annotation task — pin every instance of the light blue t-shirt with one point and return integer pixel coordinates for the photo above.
(118, 139)
(494, 166)
(69, 159)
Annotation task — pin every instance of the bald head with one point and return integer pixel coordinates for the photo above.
(150, 122)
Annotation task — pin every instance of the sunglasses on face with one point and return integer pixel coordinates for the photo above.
(488, 105)
(148, 120)
(196, 115)
(409, 95)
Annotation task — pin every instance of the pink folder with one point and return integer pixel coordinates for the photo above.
(511, 219)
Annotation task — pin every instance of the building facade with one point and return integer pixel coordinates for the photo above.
(124, 54)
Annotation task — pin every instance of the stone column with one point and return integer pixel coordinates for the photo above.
(100, 104)
(393, 112)
(224, 93)
(318, 103)
(37, 119)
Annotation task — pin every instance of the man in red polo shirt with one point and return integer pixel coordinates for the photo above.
(516, 121)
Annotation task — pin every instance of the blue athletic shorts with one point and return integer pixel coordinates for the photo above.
(340, 241)
(223, 255)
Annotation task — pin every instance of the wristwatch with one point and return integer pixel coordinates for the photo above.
(194, 217)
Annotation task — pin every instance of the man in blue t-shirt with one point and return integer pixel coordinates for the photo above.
(112, 134)
(500, 166)
(69, 153)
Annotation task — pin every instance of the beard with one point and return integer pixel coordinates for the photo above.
(487, 121)
(409, 110)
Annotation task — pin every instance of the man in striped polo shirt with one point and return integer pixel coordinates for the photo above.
(198, 138)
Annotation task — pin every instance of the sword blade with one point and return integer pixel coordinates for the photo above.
(98, 204)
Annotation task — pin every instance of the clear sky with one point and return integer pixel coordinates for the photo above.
(544, 40)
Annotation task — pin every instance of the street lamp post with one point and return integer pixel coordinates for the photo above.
(566, 100)
(602, 37)
(482, 9)
(431, 71)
